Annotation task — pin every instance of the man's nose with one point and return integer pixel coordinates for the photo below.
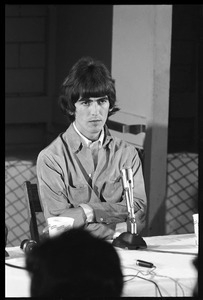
(95, 108)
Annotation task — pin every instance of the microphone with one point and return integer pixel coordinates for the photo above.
(127, 176)
(27, 245)
(130, 239)
(126, 187)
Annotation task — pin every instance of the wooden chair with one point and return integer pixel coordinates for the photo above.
(34, 206)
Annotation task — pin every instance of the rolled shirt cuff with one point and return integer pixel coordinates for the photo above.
(88, 211)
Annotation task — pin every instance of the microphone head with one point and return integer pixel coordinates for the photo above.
(130, 176)
(124, 178)
(127, 175)
(27, 245)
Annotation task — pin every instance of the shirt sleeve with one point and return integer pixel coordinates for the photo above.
(51, 187)
(53, 192)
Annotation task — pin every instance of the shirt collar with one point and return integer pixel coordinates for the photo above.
(88, 142)
(72, 138)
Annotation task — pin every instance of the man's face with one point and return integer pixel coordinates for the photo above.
(91, 115)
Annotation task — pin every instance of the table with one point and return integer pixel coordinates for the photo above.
(172, 255)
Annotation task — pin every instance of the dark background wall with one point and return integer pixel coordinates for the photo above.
(42, 43)
(185, 81)
(82, 30)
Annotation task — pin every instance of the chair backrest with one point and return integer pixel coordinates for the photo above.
(121, 129)
(34, 205)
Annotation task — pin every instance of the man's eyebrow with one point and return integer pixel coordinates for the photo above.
(88, 98)
(84, 99)
(104, 97)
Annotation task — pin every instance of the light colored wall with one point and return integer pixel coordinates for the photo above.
(132, 56)
(141, 66)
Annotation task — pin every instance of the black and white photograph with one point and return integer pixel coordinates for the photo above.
(102, 150)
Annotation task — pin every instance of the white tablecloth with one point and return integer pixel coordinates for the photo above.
(172, 255)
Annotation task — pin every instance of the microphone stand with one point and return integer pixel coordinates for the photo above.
(131, 239)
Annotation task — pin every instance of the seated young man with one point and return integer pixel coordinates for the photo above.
(79, 173)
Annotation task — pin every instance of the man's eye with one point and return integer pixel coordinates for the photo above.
(85, 103)
(103, 101)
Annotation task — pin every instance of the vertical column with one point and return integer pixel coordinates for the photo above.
(141, 66)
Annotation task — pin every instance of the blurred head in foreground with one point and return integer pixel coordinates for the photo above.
(74, 264)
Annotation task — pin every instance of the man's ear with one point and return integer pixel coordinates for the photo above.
(71, 113)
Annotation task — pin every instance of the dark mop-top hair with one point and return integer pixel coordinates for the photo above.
(87, 78)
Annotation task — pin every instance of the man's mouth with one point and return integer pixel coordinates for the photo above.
(95, 121)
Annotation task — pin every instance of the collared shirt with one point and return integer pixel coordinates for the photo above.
(91, 144)
(88, 142)
(67, 178)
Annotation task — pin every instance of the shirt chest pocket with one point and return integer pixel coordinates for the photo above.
(112, 190)
(78, 194)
